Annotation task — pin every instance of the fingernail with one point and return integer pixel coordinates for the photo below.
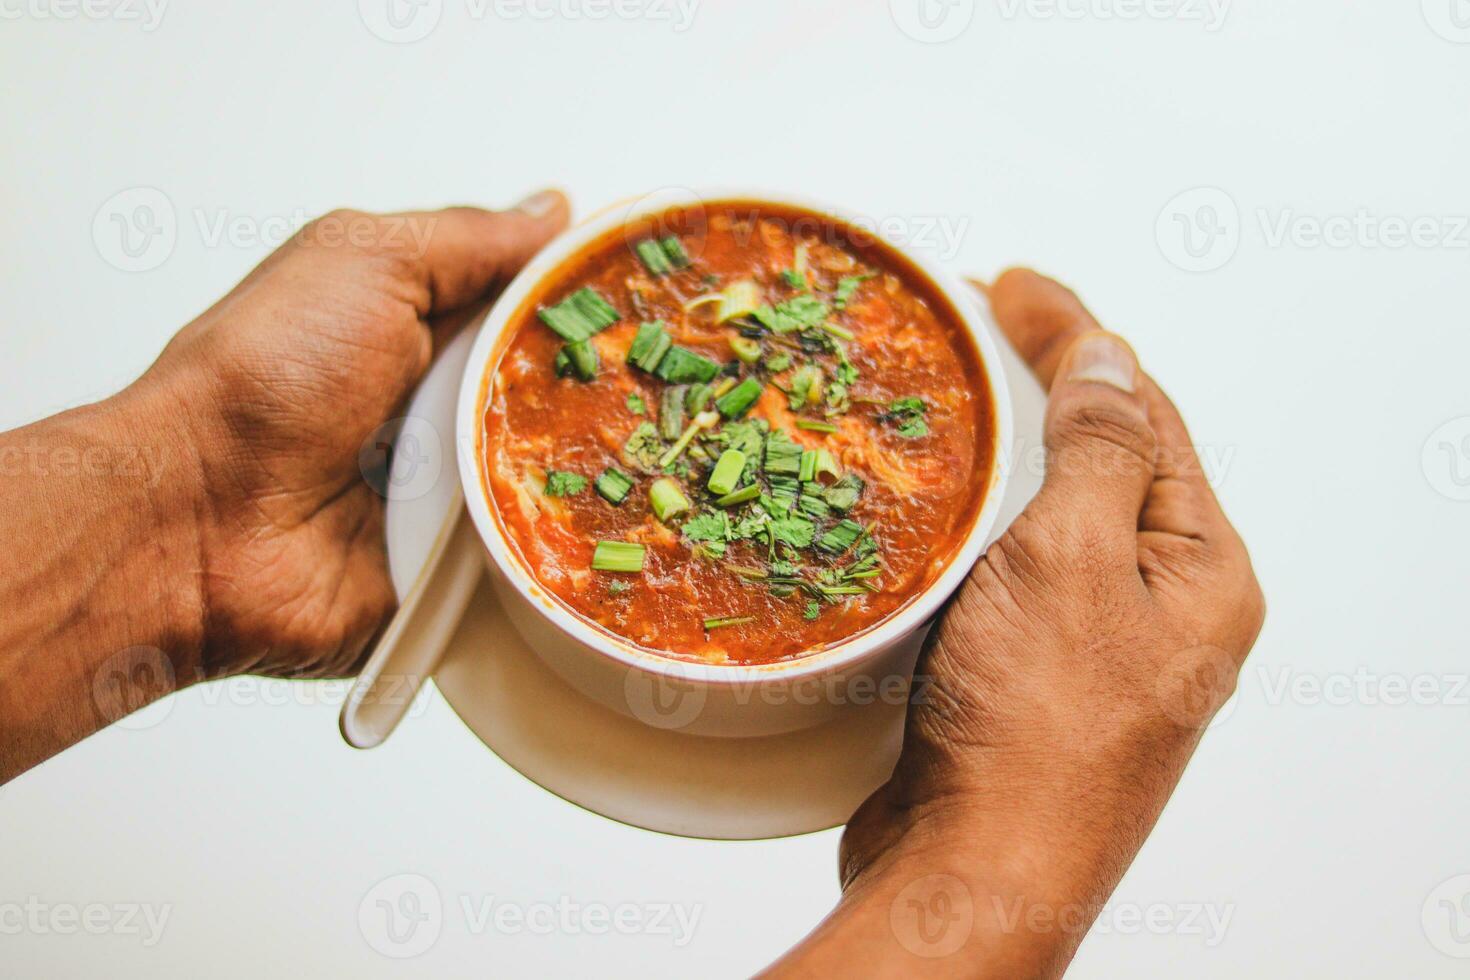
(1103, 358)
(538, 205)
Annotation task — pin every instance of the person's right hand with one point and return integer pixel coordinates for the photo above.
(1072, 674)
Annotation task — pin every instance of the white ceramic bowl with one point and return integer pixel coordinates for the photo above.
(708, 699)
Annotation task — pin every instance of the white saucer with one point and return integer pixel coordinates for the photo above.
(688, 785)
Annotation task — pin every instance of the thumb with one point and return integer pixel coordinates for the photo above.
(465, 253)
(1099, 443)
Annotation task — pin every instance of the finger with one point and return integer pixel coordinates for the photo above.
(461, 254)
(1041, 318)
(1181, 501)
(1099, 443)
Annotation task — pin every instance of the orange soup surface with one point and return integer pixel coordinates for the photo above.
(736, 434)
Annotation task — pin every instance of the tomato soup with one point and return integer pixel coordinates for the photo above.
(736, 434)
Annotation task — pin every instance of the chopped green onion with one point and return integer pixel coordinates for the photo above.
(667, 499)
(743, 495)
(812, 425)
(636, 405)
(738, 299)
(754, 574)
(560, 483)
(813, 506)
(649, 346)
(617, 556)
(778, 362)
(841, 537)
(584, 359)
(808, 471)
(563, 363)
(671, 411)
(704, 420)
(746, 349)
(725, 385)
(653, 257)
(784, 489)
(680, 366)
(613, 486)
(699, 396)
(793, 278)
(579, 316)
(843, 495)
(726, 472)
(714, 624)
(737, 401)
(827, 463)
(674, 252)
(782, 455)
(842, 333)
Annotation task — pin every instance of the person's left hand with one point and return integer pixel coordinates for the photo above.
(271, 393)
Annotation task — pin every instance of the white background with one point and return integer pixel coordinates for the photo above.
(1315, 374)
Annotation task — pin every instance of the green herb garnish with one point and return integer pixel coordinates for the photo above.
(649, 345)
(579, 316)
(793, 278)
(680, 366)
(741, 496)
(726, 474)
(737, 401)
(617, 556)
(714, 624)
(643, 448)
(582, 357)
(908, 413)
(671, 411)
(667, 498)
(746, 349)
(636, 404)
(843, 495)
(793, 530)
(813, 610)
(847, 286)
(841, 537)
(797, 313)
(613, 486)
(674, 252)
(560, 483)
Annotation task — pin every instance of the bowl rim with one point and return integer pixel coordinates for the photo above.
(969, 307)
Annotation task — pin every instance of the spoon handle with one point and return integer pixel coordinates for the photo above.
(410, 648)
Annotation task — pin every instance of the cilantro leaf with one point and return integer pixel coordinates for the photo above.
(636, 404)
(846, 287)
(712, 525)
(562, 484)
(793, 530)
(643, 448)
(813, 610)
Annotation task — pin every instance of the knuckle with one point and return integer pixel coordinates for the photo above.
(1126, 431)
